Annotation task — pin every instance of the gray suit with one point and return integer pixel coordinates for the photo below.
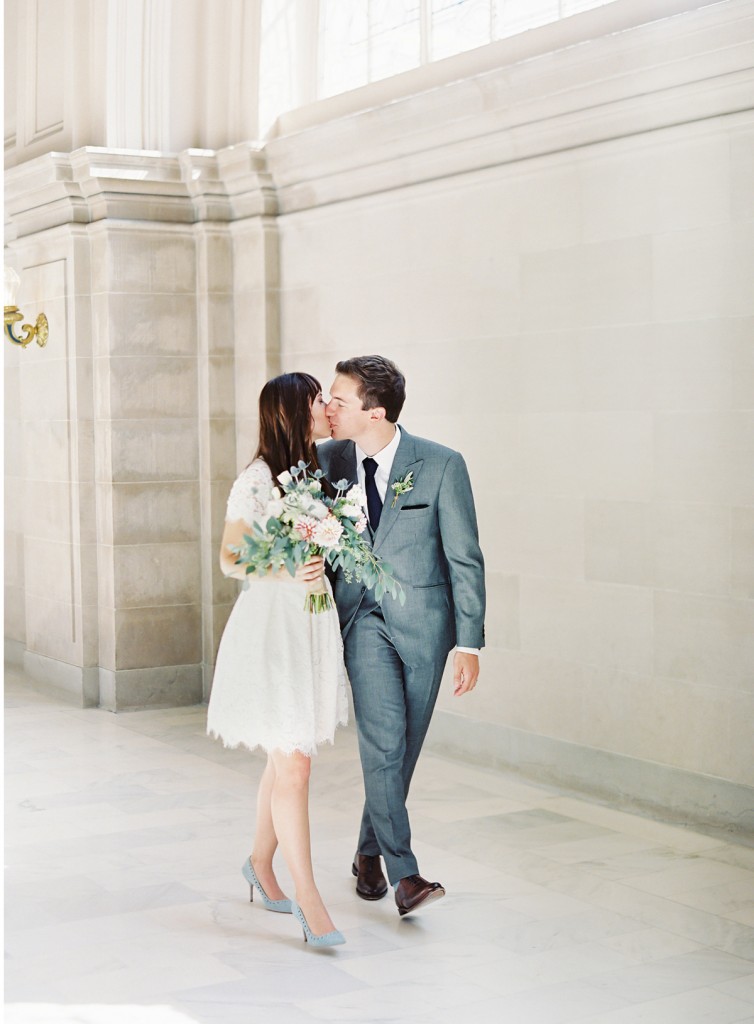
(395, 655)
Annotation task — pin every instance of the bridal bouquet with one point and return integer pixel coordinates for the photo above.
(303, 522)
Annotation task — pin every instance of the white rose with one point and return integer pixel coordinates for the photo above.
(285, 477)
(356, 496)
(318, 509)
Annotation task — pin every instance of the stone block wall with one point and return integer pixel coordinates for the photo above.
(563, 271)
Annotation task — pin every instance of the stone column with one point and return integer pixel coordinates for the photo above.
(162, 322)
(238, 343)
(256, 286)
(147, 464)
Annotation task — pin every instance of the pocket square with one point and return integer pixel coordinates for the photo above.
(408, 508)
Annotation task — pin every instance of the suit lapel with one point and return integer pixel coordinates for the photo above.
(343, 465)
(405, 462)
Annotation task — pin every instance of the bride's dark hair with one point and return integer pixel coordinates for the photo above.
(285, 422)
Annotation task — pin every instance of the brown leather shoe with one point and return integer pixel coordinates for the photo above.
(415, 891)
(371, 884)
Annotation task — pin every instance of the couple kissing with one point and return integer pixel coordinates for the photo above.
(280, 677)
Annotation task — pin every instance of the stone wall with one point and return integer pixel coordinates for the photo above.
(559, 255)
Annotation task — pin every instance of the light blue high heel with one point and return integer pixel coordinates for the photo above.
(278, 906)
(333, 938)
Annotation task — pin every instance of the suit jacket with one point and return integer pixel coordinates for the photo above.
(430, 538)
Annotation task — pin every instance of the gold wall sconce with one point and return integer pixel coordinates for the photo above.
(41, 329)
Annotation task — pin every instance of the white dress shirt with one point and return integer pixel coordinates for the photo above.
(384, 460)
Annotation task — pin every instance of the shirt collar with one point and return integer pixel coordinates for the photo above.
(385, 457)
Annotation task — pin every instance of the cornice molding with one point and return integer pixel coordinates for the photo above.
(678, 71)
(94, 184)
(685, 69)
(595, 23)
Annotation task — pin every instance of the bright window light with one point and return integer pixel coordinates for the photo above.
(355, 42)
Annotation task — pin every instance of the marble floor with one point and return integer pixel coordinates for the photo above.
(124, 839)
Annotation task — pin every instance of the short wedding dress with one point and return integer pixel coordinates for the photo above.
(279, 681)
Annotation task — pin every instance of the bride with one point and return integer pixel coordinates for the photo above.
(279, 681)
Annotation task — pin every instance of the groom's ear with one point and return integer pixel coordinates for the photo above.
(377, 414)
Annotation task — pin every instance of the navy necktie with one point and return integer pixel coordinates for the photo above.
(374, 502)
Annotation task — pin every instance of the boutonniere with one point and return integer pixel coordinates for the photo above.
(401, 487)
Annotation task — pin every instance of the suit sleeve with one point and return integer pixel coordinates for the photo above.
(460, 541)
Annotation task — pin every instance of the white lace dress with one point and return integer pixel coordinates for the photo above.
(279, 681)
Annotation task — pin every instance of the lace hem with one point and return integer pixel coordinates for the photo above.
(308, 750)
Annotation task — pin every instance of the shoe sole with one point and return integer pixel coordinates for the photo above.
(431, 897)
(363, 895)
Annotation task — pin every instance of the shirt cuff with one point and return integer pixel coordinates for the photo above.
(468, 650)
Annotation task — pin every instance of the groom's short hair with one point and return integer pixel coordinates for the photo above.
(380, 383)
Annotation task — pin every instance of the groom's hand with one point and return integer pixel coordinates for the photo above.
(465, 672)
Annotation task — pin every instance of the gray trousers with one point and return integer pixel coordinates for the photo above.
(393, 702)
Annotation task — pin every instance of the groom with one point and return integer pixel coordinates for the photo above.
(422, 521)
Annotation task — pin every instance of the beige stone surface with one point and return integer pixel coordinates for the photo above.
(154, 450)
(145, 386)
(146, 324)
(14, 609)
(217, 329)
(504, 615)
(742, 331)
(149, 637)
(149, 261)
(615, 361)
(155, 512)
(693, 548)
(741, 159)
(704, 272)
(682, 184)
(588, 285)
(221, 385)
(704, 456)
(219, 446)
(599, 624)
(154, 574)
(532, 536)
(619, 542)
(742, 561)
(705, 639)
(53, 627)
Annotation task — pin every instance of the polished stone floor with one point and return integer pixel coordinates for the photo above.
(125, 904)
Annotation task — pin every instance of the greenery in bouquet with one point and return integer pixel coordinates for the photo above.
(302, 521)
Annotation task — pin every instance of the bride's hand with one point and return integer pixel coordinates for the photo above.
(311, 570)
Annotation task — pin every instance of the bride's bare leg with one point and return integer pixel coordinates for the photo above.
(290, 813)
(265, 839)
